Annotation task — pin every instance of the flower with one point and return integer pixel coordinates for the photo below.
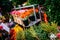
(36, 10)
(13, 12)
(12, 34)
(1, 27)
(23, 13)
(18, 28)
(58, 35)
(52, 36)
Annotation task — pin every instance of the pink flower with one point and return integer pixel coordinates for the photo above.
(17, 13)
(58, 35)
(13, 12)
(21, 11)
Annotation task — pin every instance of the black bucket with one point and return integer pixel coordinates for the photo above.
(32, 18)
(37, 15)
(26, 22)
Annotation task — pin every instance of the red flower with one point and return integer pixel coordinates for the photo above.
(12, 34)
(1, 27)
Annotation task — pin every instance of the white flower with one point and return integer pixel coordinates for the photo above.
(52, 36)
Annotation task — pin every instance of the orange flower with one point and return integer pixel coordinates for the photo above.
(22, 16)
(31, 10)
(36, 10)
(27, 13)
(45, 17)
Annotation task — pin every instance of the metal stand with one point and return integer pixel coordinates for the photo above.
(36, 20)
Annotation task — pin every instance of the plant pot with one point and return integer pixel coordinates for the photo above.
(37, 15)
(32, 18)
(26, 22)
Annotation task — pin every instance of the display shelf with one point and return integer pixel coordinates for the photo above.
(25, 6)
(33, 7)
(34, 22)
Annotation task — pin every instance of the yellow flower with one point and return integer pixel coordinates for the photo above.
(17, 28)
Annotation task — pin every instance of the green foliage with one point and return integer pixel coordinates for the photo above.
(32, 31)
(20, 35)
(30, 34)
(40, 32)
(53, 10)
(36, 1)
(19, 2)
(49, 27)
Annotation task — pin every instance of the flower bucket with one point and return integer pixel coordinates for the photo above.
(26, 22)
(37, 15)
(32, 18)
